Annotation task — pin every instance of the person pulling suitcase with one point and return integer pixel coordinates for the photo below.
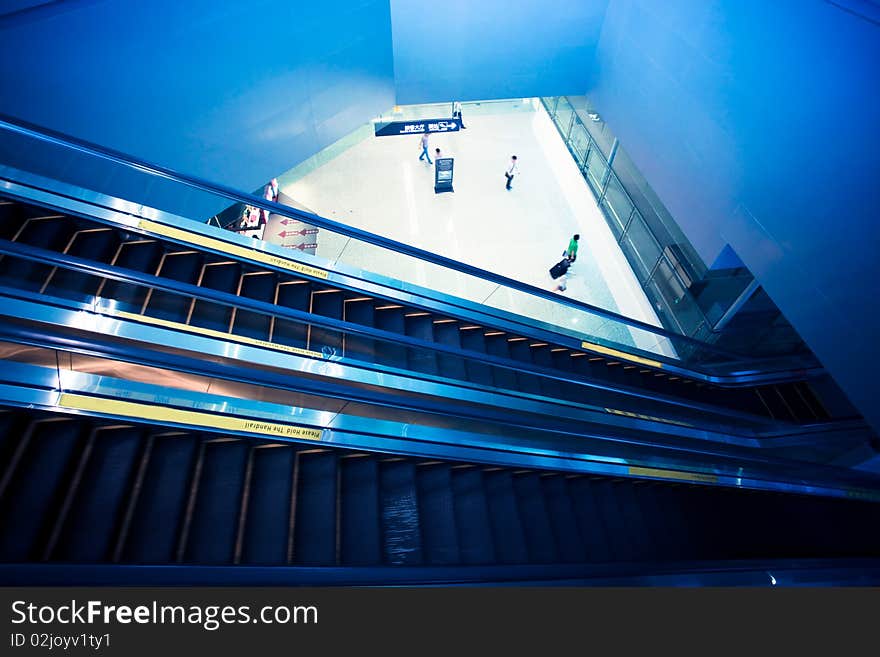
(560, 271)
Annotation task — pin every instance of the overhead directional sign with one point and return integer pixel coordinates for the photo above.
(417, 127)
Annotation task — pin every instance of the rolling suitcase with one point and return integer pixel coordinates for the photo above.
(559, 268)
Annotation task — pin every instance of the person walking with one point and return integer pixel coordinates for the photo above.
(456, 113)
(512, 170)
(572, 251)
(437, 155)
(424, 143)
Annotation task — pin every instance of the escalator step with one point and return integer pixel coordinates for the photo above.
(267, 520)
(504, 517)
(590, 521)
(361, 525)
(584, 367)
(562, 360)
(141, 256)
(259, 286)
(97, 245)
(390, 319)
(315, 520)
(161, 503)
(735, 507)
(797, 403)
(702, 519)
(421, 326)
(520, 350)
(569, 542)
(400, 514)
(663, 542)
(773, 403)
(473, 339)
(326, 304)
(542, 357)
(46, 229)
(681, 527)
(637, 529)
(437, 514)
(615, 522)
(30, 501)
(535, 516)
(94, 516)
(472, 517)
(360, 312)
(182, 266)
(447, 333)
(214, 524)
(497, 345)
(23, 274)
(285, 331)
(12, 216)
(812, 401)
(12, 427)
(221, 277)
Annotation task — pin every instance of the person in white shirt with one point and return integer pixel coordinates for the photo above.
(512, 170)
(456, 113)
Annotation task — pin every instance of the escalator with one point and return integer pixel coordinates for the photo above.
(448, 442)
(82, 490)
(234, 278)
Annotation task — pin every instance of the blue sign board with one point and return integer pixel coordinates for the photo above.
(443, 174)
(417, 127)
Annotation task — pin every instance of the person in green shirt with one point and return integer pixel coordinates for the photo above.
(572, 250)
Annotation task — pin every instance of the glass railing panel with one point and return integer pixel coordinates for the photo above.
(641, 248)
(578, 143)
(596, 170)
(550, 103)
(617, 205)
(564, 117)
(670, 287)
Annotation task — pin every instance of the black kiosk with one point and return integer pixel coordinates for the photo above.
(443, 174)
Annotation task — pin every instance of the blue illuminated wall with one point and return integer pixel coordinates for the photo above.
(758, 124)
(469, 50)
(234, 92)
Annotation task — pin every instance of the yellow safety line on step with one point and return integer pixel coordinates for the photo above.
(862, 494)
(608, 351)
(232, 249)
(196, 419)
(231, 337)
(672, 474)
(653, 418)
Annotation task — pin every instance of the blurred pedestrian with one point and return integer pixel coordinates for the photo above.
(512, 170)
(456, 113)
(424, 143)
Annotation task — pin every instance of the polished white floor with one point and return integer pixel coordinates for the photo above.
(379, 184)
